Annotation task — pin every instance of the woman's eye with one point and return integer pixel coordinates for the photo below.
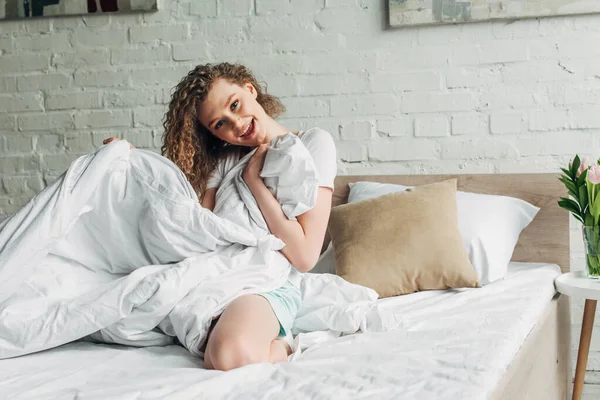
(234, 105)
(218, 125)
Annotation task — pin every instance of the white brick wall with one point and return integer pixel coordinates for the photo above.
(483, 98)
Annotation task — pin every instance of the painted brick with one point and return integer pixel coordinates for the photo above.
(402, 150)
(351, 151)
(235, 8)
(508, 122)
(504, 51)
(19, 143)
(440, 34)
(332, 84)
(437, 102)
(23, 63)
(20, 102)
(421, 81)
(55, 41)
(514, 97)
(535, 71)
(515, 29)
(48, 143)
(6, 44)
(581, 95)
(81, 58)
(478, 148)
(316, 42)
(570, 47)
(73, 100)
(370, 104)
(334, 63)
(46, 122)
(46, 82)
(203, 8)
(22, 186)
(357, 130)
(234, 29)
(585, 117)
(346, 20)
(148, 116)
(160, 75)
(305, 107)
(432, 126)
(8, 122)
(171, 33)
(103, 118)
(130, 98)
(58, 163)
(145, 55)
(79, 142)
(278, 7)
(185, 52)
(547, 120)
(12, 165)
(401, 126)
(95, 38)
(473, 77)
(101, 78)
(8, 84)
(470, 124)
(40, 25)
(554, 143)
(140, 139)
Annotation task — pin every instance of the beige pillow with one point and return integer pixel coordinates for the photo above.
(402, 242)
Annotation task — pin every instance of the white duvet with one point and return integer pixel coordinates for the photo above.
(445, 345)
(119, 250)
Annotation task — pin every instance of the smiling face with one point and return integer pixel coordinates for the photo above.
(231, 113)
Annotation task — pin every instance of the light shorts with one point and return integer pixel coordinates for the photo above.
(285, 302)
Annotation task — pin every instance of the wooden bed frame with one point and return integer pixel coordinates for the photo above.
(542, 367)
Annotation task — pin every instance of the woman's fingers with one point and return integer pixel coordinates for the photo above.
(110, 139)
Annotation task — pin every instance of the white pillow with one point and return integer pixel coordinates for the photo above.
(489, 225)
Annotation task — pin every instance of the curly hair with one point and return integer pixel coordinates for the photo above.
(189, 144)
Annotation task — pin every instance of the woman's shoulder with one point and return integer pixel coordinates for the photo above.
(316, 137)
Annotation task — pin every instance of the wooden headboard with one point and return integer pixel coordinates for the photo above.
(546, 239)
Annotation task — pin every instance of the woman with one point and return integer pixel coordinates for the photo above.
(216, 115)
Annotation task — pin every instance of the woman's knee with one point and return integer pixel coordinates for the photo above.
(234, 352)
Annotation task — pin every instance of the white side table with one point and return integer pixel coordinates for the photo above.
(575, 284)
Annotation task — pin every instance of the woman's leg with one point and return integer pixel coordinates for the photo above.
(245, 334)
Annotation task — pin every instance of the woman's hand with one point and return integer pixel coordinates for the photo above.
(255, 164)
(110, 139)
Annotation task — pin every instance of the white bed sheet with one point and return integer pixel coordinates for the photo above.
(448, 344)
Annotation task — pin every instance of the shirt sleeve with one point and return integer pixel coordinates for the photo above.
(223, 167)
(216, 178)
(321, 146)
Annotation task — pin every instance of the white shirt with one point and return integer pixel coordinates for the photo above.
(320, 145)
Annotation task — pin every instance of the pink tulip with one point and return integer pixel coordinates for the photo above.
(593, 175)
(585, 164)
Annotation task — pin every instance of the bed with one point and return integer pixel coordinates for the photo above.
(508, 340)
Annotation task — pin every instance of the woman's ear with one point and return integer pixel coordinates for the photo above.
(250, 87)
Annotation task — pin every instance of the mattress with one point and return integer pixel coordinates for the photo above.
(446, 344)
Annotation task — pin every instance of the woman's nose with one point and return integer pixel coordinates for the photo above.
(238, 124)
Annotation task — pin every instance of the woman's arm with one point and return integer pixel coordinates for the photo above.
(303, 238)
(208, 200)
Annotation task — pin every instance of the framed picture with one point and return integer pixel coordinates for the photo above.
(436, 12)
(14, 9)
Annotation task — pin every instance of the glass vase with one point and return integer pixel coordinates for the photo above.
(591, 240)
